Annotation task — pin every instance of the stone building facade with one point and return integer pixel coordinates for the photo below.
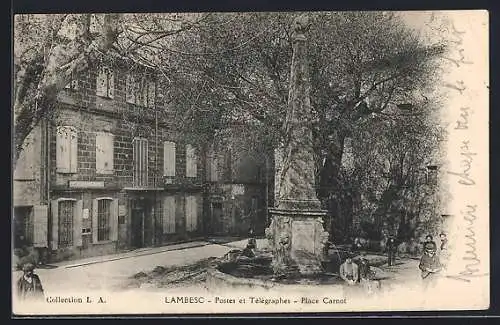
(109, 171)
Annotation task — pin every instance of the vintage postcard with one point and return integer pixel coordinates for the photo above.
(251, 162)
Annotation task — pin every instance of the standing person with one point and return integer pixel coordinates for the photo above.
(391, 251)
(429, 265)
(349, 271)
(29, 286)
(444, 241)
(443, 250)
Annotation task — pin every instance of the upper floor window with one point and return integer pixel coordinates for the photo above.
(140, 154)
(104, 151)
(73, 84)
(191, 161)
(106, 82)
(140, 91)
(169, 159)
(212, 166)
(66, 149)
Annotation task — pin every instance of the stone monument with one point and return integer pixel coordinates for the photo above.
(296, 234)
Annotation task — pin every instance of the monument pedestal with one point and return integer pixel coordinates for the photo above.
(297, 239)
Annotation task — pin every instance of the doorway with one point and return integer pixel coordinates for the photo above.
(141, 223)
(217, 215)
(137, 236)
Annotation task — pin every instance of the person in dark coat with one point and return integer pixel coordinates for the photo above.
(391, 251)
(29, 286)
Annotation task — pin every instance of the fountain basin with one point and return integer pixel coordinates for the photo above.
(256, 273)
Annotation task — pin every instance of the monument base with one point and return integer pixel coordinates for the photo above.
(297, 239)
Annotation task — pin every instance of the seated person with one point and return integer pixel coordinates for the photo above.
(349, 271)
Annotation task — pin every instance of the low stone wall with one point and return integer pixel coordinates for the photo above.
(217, 282)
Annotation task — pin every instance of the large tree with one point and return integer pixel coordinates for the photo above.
(48, 51)
(363, 66)
(51, 49)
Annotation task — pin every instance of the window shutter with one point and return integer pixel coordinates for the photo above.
(54, 209)
(130, 89)
(114, 220)
(77, 223)
(191, 213)
(111, 83)
(40, 225)
(151, 94)
(73, 150)
(102, 83)
(104, 153)
(169, 158)
(140, 154)
(25, 163)
(169, 215)
(63, 149)
(95, 225)
(191, 162)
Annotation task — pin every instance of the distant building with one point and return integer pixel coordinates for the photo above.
(110, 172)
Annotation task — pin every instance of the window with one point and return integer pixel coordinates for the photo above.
(169, 159)
(212, 166)
(140, 91)
(191, 161)
(140, 154)
(66, 149)
(103, 219)
(105, 82)
(191, 213)
(73, 84)
(66, 213)
(104, 151)
(169, 215)
(23, 226)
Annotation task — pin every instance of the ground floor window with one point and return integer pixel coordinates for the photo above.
(23, 226)
(103, 219)
(66, 214)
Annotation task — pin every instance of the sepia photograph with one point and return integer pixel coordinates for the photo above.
(250, 162)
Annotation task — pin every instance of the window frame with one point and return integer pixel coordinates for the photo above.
(108, 227)
(66, 244)
(144, 173)
(109, 88)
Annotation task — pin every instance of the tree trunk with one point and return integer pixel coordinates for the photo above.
(39, 80)
(330, 184)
